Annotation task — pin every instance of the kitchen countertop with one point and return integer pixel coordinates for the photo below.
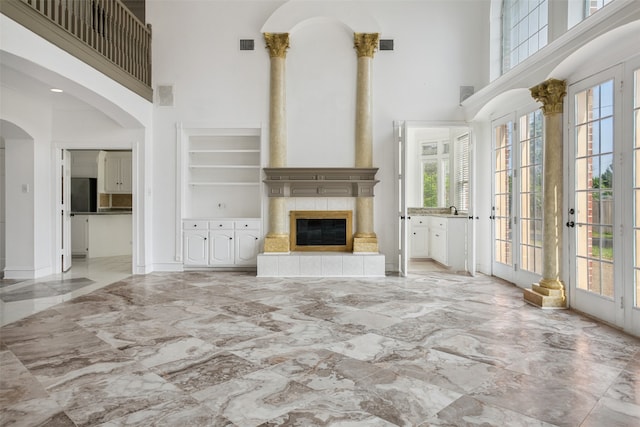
(436, 212)
(105, 212)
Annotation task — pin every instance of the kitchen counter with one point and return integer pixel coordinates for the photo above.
(105, 212)
(435, 212)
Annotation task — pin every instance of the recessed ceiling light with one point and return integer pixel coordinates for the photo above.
(56, 90)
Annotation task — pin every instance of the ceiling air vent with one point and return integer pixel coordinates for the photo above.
(386, 44)
(246, 44)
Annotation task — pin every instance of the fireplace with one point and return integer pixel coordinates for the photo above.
(321, 231)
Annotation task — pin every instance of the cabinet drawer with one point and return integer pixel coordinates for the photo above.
(247, 225)
(438, 222)
(419, 221)
(221, 225)
(195, 225)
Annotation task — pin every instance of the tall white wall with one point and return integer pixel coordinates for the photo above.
(439, 46)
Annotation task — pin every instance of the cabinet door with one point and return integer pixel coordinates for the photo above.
(117, 171)
(196, 250)
(221, 248)
(79, 237)
(247, 247)
(438, 245)
(125, 173)
(419, 238)
(111, 174)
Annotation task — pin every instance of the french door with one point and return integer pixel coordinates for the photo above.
(604, 197)
(400, 132)
(516, 211)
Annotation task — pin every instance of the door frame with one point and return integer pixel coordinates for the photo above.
(632, 311)
(610, 311)
(514, 274)
(401, 190)
(137, 214)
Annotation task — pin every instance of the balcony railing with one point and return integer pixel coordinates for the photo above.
(102, 33)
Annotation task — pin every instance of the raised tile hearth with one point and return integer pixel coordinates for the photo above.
(321, 264)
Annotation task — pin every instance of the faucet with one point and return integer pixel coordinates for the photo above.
(454, 210)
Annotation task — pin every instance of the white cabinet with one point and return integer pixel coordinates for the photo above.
(438, 247)
(117, 172)
(196, 247)
(419, 237)
(247, 247)
(96, 236)
(80, 235)
(447, 241)
(221, 242)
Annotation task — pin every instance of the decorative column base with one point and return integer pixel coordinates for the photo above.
(544, 297)
(365, 245)
(277, 243)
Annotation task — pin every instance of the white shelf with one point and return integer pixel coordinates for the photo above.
(224, 166)
(223, 151)
(218, 184)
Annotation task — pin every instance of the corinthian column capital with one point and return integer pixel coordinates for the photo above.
(551, 93)
(365, 43)
(277, 43)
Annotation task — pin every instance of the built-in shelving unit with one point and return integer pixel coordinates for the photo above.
(220, 170)
(222, 173)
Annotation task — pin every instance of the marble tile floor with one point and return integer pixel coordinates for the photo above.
(20, 298)
(230, 349)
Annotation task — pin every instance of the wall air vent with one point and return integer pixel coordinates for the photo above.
(386, 44)
(164, 95)
(247, 44)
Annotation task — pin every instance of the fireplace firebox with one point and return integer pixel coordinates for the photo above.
(321, 231)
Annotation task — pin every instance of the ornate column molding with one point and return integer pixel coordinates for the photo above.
(366, 43)
(549, 292)
(551, 93)
(277, 239)
(364, 240)
(277, 43)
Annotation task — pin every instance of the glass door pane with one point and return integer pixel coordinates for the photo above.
(594, 192)
(502, 180)
(530, 189)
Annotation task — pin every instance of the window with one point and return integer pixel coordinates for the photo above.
(435, 174)
(524, 30)
(592, 6)
(461, 195)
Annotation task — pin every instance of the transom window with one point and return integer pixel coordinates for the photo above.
(592, 6)
(524, 30)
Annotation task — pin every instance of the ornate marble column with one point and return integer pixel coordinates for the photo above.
(364, 239)
(277, 239)
(549, 293)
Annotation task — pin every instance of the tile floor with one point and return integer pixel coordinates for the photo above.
(230, 349)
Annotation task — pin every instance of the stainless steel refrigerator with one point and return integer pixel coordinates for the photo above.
(84, 195)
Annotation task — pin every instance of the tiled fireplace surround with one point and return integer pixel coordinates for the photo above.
(320, 264)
